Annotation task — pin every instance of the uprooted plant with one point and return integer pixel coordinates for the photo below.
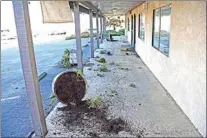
(66, 59)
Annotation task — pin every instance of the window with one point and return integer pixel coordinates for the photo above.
(161, 29)
(141, 32)
(128, 24)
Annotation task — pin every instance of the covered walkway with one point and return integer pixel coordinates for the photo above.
(130, 92)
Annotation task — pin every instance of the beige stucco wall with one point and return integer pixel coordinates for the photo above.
(183, 73)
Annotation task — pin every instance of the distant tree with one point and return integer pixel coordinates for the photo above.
(114, 22)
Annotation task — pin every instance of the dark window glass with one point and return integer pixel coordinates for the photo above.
(128, 25)
(141, 26)
(161, 29)
(156, 28)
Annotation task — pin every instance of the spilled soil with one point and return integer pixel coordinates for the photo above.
(81, 120)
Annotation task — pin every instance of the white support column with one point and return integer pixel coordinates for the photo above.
(101, 25)
(104, 27)
(97, 27)
(79, 53)
(25, 42)
(91, 33)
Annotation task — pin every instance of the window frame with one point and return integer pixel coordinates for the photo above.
(128, 26)
(153, 23)
(139, 25)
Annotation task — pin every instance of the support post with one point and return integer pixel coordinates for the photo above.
(104, 27)
(25, 42)
(97, 27)
(79, 53)
(101, 25)
(91, 33)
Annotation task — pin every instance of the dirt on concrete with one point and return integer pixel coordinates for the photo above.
(92, 122)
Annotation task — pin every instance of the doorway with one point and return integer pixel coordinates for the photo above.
(134, 35)
(132, 30)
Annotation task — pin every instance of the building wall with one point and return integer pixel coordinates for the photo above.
(183, 73)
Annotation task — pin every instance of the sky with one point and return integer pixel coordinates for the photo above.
(7, 20)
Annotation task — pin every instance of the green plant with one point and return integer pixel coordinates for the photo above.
(101, 60)
(112, 92)
(100, 75)
(94, 103)
(103, 68)
(66, 58)
(79, 74)
(132, 85)
(111, 63)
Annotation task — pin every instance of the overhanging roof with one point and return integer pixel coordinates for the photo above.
(116, 7)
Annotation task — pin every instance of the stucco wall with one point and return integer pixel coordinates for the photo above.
(183, 73)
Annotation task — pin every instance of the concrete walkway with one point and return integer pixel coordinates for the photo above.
(132, 93)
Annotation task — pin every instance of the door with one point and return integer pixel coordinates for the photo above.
(134, 35)
(132, 30)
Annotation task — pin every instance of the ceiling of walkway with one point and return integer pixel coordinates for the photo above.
(115, 7)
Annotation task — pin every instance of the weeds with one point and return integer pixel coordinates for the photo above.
(111, 63)
(132, 85)
(101, 60)
(103, 68)
(95, 102)
(112, 92)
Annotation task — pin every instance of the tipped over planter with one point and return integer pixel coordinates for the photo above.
(69, 87)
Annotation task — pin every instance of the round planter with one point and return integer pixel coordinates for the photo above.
(69, 87)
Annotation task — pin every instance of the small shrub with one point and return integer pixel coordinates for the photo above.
(103, 68)
(95, 102)
(132, 85)
(101, 60)
(66, 58)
